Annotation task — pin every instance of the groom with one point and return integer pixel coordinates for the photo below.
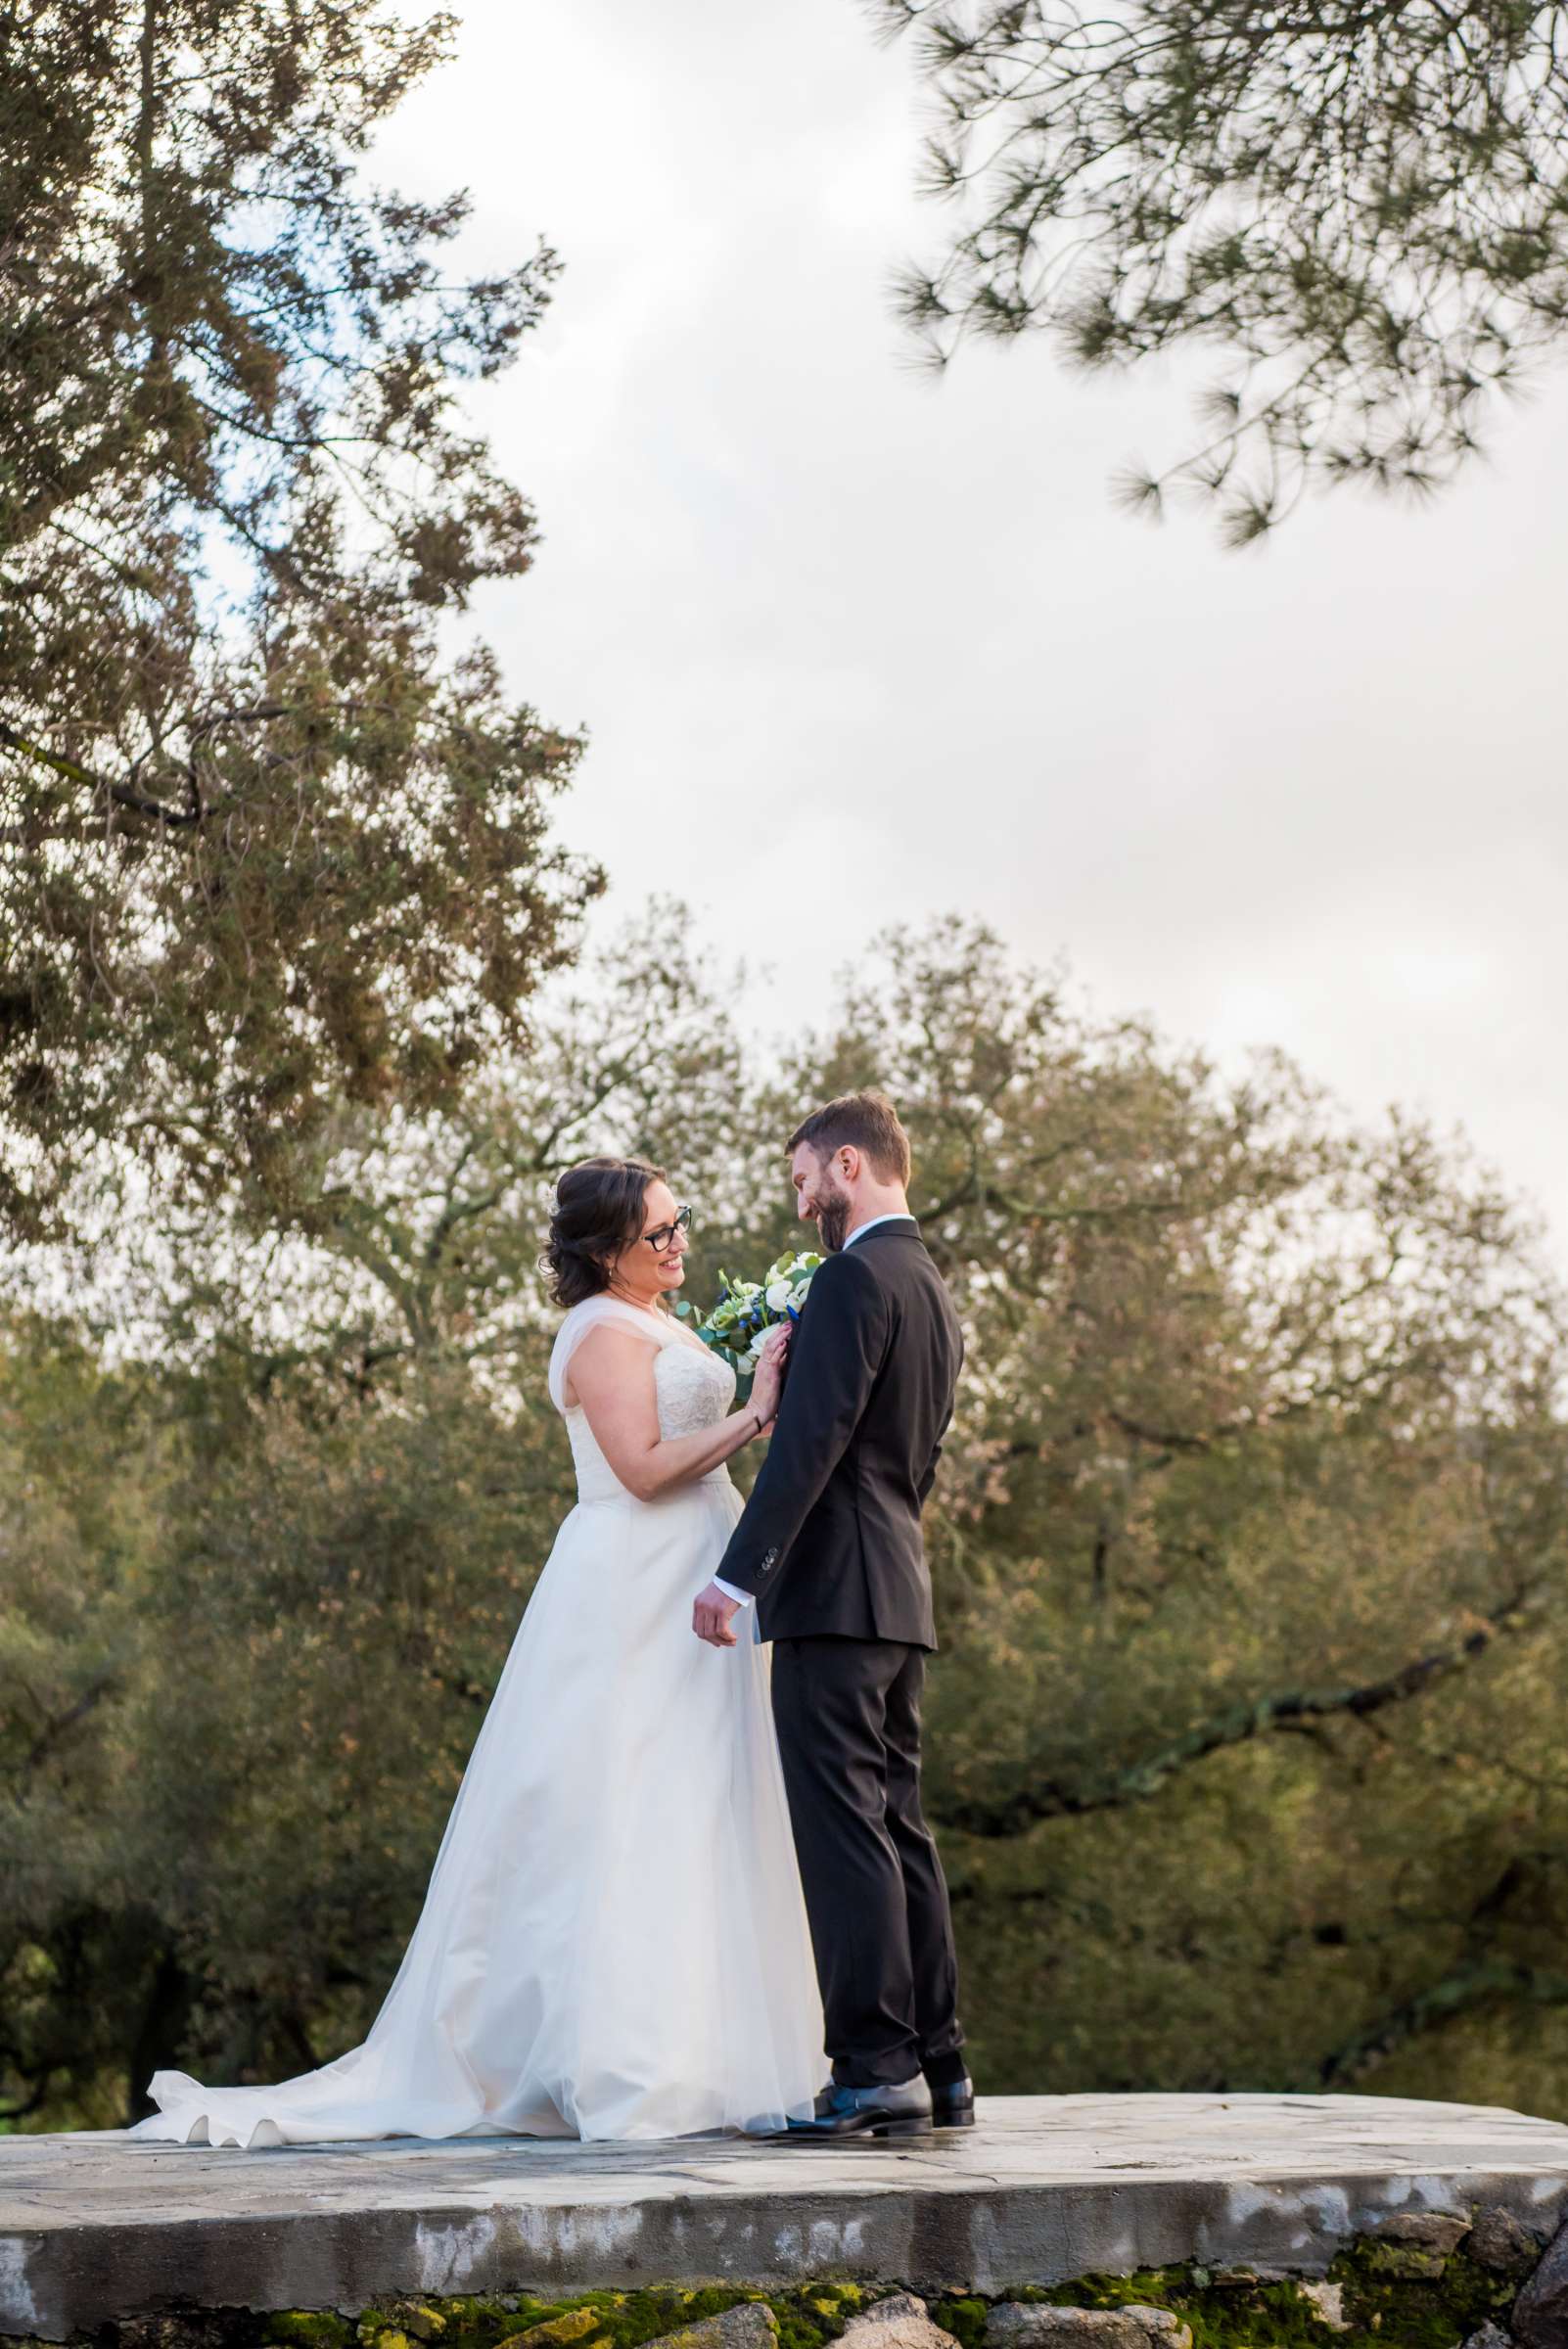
(829, 1549)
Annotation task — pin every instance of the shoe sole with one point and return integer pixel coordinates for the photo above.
(919, 2126)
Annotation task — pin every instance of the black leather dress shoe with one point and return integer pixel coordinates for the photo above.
(953, 2106)
(847, 2113)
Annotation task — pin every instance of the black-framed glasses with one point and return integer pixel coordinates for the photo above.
(661, 1239)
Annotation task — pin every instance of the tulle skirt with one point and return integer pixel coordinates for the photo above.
(613, 1943)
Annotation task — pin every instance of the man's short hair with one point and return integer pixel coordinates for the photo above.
(869, 1123)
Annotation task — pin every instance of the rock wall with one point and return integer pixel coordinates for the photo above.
(1427, 2279)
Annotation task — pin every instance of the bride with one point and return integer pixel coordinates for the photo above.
(614, 1942)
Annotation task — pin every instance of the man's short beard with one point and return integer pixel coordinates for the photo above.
(832, 1217)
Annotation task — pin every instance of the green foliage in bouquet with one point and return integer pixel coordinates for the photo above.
(747, 1310)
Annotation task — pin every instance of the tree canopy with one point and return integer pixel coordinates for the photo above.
(1249, 1546)
(1364, 206)
(266, 836)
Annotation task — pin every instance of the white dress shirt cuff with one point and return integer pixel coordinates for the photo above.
(730, 1592)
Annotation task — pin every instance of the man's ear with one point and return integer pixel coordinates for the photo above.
(850, 1162)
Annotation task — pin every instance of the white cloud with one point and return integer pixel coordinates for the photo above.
(1307, 796)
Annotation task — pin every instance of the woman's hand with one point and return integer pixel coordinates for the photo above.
(769, 1378)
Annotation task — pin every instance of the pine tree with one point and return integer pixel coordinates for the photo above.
(1364, 204)
(265, 839)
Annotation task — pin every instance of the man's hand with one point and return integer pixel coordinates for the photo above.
(711, 1615)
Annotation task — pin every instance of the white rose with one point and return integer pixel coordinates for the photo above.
(780, 1295)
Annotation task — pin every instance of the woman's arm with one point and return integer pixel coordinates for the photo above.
(612, 1376)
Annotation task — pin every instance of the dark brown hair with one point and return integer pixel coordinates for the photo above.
(869, 1123)
(598, 1209)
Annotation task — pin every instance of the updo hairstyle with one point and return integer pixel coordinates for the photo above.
(598, 1209)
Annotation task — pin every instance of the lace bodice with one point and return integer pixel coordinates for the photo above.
(695, 1389)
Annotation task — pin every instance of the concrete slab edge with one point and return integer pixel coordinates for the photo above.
(70, 2279)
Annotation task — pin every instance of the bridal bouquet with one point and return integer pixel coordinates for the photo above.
(747, 1310)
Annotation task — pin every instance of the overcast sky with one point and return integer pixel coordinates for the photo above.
(816, 606)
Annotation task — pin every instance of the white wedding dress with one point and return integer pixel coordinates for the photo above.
(614, 1942)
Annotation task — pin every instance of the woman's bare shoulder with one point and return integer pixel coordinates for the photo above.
(613, 1349)
(608, 1341)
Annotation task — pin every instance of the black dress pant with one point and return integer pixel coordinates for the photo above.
(848, 1715)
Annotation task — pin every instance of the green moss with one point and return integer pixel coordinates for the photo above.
(1224, 2309)
(807, 2316)
(309, 2328)
(1420, 2313)
(1403, 2259)
(965, 2320)
(817, 2312)
(1230, 2310)
(1233, 2309)
(558, 2332)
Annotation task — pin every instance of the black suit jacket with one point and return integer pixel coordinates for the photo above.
(830, 1539)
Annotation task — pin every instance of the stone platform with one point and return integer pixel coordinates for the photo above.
(96, 2225)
